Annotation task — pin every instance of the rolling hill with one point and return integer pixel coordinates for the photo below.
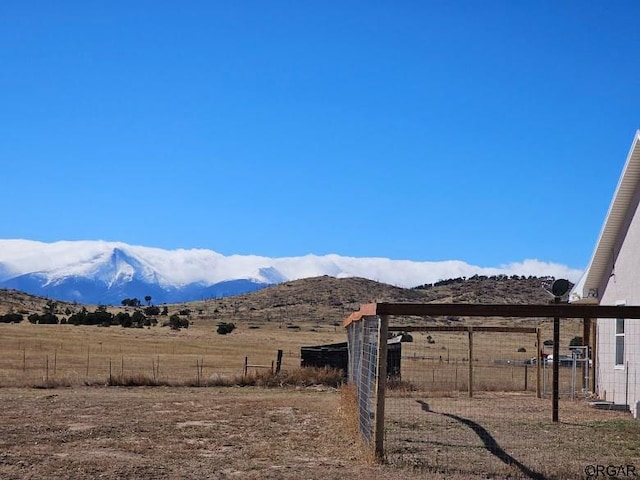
(325, 299)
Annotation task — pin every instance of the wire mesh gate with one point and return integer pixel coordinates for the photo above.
(367, 372)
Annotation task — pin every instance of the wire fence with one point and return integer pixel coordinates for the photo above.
(450, 387)
(88, 365)
(363, 340)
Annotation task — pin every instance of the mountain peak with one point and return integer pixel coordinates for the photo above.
(107, 272)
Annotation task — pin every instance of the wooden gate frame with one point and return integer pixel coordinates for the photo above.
(551, 310)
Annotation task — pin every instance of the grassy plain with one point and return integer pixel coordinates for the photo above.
(84, 429)
(78, 355)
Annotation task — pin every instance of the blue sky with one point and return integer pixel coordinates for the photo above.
(488, 132)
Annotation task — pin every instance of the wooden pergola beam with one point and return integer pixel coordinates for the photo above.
(552, 310)
(458, 328)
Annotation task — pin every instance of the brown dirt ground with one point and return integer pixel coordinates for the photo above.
(255, 433)
(179, 433)
(506, 435)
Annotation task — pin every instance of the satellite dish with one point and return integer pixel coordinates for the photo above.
(560, 287)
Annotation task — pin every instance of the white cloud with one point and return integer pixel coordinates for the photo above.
(180, 267)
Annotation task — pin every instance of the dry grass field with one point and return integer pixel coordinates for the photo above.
(70, 355)
(60, 419)
(439, 361)
(179, 433)
(506, 435)
(90, 430)
(248, 432)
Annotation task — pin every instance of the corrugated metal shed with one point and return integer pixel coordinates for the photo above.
(336, 355)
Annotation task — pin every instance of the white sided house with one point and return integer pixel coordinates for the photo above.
(613, 278)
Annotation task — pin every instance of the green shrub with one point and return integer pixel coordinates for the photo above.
(44, 319)
(152, 310)
(224, 328)
(11, 318)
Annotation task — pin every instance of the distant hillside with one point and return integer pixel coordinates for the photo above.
(326, 299)
(496, 289)
(15, 301)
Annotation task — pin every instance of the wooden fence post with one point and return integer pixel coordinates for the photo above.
(538, 367)
(470, 362)
(279, 362)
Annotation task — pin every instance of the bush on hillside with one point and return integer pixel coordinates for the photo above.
(11, 318)
(176, 322)
(224, 328)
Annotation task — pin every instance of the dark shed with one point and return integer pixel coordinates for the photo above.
(333, 355)
(336, 355)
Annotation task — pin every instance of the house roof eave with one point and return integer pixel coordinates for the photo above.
(601, 259)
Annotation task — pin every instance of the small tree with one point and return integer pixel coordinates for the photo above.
(139, 319)
(130, 302)
(147, 299)
(44, 319)
(124, 319)
(152, 310)
(224, 328)
(11, 318)
(174, 322)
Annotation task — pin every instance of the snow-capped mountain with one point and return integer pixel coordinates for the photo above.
(106, 272)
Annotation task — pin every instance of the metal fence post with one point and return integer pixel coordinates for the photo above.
(381, 381)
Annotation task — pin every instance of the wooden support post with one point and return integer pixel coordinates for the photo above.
(538, 366)
(381, 382)
(586, 341)
(470, 362)
(556, 365)
(279, 362)
(246, 366)
(594, 356)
